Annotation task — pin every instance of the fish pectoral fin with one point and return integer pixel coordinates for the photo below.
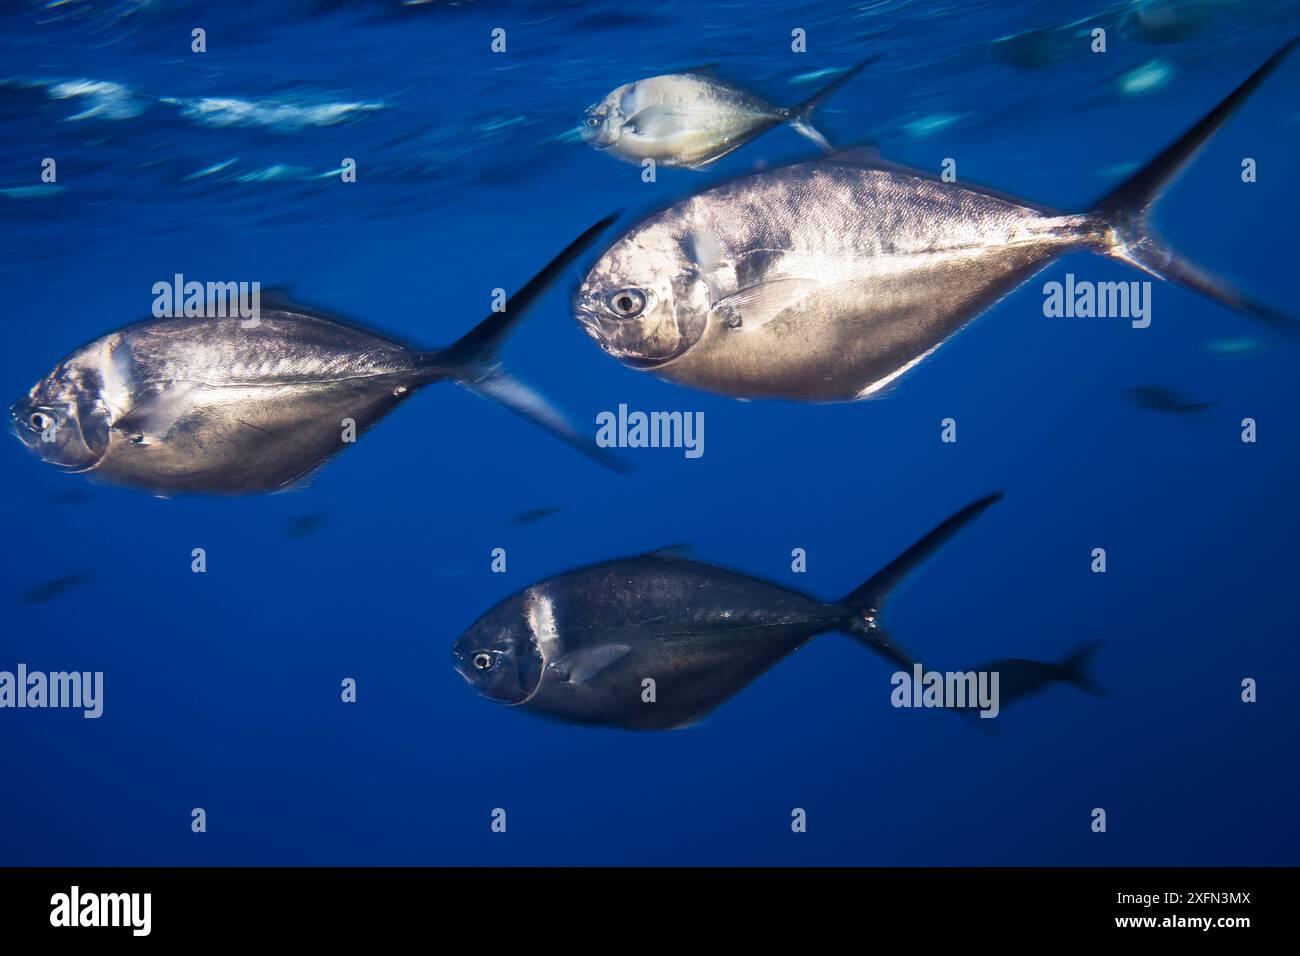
(580, 666)
(755, 306)
(152, 417)
(654, 121)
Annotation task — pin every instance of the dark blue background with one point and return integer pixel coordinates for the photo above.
(222, 689)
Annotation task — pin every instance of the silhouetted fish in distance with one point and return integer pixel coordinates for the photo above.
(71, 496)
(534, 515)
(56, 588)
(304, 526)
(1019, 678)
(1161, 398)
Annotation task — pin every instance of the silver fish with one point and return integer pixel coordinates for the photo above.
(693, 119)
(212, 406)
(827, 280)
(579, 647)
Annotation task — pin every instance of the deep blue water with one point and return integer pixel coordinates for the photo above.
(222, 689)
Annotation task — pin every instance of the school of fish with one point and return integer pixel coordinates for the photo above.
(825, 280)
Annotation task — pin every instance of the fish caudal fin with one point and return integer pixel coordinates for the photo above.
(799, 115)
(866, 602)
(1074, 670)
(1122, 216)
(474, 362)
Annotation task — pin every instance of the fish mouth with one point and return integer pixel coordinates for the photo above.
(458, 664)
(471, 677)
(18, 413)
(31, 439)
(606, 332)
(599, 137)
(598, 326)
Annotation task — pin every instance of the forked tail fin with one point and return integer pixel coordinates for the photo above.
(865, 604)
(800, 115)
(473, 360)
(1074, 670)
(1124, 212)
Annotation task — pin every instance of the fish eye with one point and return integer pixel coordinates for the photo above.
(40, 421)
(482, 660)
(627, 303)
(593, 121)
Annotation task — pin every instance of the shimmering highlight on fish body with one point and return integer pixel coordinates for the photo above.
(207, 405)
(824, 280)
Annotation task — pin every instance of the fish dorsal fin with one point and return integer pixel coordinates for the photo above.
(279, 295)
(869, 157)
(580, 666)
(679, 550)
(704, 69)
(867, 154)
(280, 298)
(756, 305)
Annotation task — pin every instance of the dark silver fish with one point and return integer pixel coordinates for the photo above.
(1161, 398)
(1172, 21)
(212, 406)
(1037, 48)
(304, 526)
(71, 496)
(51, 590)
(693, 119)
(827, 280)
(1019, 678)
(578, 647)
(533, 515)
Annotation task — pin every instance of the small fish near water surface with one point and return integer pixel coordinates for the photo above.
(693, 119)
